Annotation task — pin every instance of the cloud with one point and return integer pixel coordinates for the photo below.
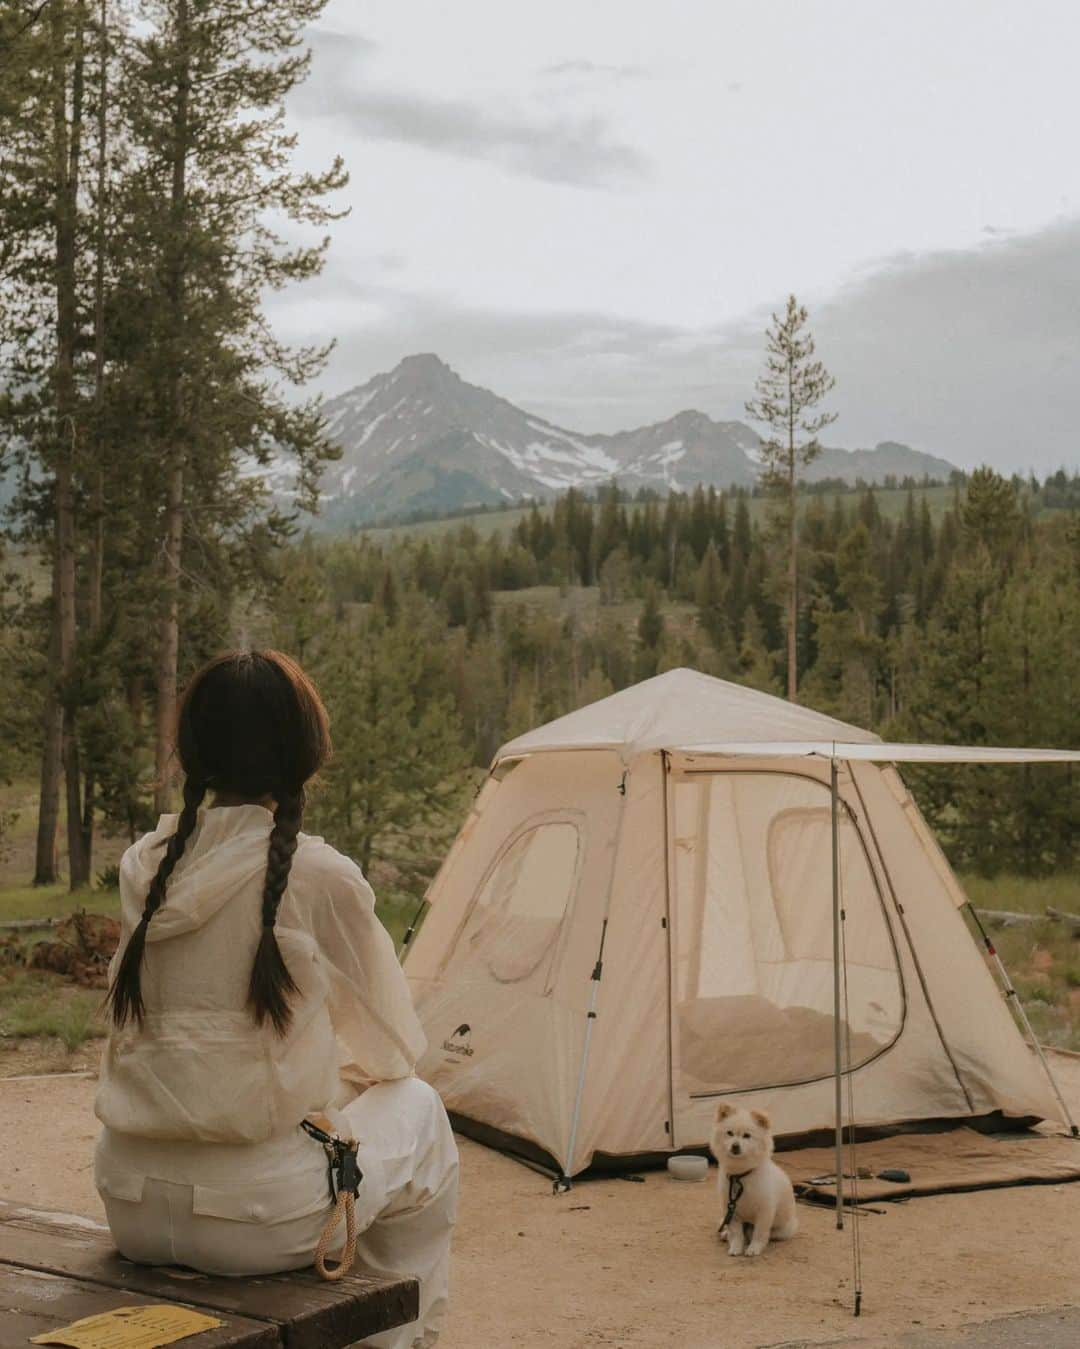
(972, 353)
(331, 45)
(969, 354)
(594, 69)
(583, 369)
(576, 151)
(579, 150)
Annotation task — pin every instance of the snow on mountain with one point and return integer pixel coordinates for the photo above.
(419, 438)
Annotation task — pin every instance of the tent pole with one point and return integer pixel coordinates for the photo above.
(562, 1182)
(1012, 996)
(838, 1065)
(410, 931)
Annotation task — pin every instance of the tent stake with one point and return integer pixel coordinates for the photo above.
(1012, 996)
(839, 1108)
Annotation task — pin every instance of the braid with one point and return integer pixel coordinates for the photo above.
(125, 999)
(271, 982)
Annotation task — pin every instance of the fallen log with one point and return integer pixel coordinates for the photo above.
(1005, 918)
(28, 924)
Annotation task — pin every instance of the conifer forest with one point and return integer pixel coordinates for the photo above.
(147, 201)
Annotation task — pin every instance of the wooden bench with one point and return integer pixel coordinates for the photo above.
(56, 1268)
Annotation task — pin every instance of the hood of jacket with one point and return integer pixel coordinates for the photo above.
(225, 852)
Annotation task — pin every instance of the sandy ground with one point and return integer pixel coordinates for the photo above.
(638, 1265)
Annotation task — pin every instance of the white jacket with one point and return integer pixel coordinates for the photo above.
(200, 1070)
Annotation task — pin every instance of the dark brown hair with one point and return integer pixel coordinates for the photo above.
(250, 724)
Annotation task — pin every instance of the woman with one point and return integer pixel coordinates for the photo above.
(255, 986)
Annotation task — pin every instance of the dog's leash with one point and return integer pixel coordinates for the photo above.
(345, 1177)
(734, 1194)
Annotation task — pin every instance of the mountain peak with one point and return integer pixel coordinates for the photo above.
(423, 364)
(690, 418)
(419, 437)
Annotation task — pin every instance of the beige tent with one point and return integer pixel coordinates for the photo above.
(637, 919)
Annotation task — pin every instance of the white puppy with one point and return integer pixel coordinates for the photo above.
(753, 1189)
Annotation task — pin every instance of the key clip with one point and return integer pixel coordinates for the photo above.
(343, 1168)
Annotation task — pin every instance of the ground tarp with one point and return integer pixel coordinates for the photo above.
(939, 1163)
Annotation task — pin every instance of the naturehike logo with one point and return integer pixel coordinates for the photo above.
(462, 1031)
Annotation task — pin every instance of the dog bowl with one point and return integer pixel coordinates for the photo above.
(688, 1168)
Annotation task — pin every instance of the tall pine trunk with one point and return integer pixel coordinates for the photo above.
(173, 520)
(67, 551)
(96, 559)
(46, 867)
(60, 749)
(793, 556)
(169, 648)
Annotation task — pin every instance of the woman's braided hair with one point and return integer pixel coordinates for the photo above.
(250, 725)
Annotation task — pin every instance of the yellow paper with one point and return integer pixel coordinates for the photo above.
(131, 1328)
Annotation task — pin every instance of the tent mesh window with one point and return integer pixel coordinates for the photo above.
(514, 923)
(752, 966)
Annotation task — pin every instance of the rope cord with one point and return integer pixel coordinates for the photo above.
(344, 1207)
(345, 1177)
(856, 1241)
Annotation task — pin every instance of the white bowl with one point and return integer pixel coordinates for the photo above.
(688, 1168)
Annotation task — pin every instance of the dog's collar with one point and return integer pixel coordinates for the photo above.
(738, 1175)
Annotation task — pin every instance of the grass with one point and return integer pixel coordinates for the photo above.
(1043, 959)
(35, 1003)
(53, 901)
(1024, 894)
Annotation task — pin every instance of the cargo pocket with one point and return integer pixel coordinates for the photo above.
(287, 1199)
(115, 1179)
(120, 1185)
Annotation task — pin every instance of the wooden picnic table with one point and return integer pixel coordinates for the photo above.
(56, 1268)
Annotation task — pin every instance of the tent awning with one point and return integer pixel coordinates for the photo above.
(883, 752)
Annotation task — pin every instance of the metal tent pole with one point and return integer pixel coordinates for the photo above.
(1012, 996)
(410, 931)
(562, 1182)
(838, 1064)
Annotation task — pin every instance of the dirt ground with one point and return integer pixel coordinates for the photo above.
(616, 1263)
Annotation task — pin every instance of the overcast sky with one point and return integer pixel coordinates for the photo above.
(591, 206)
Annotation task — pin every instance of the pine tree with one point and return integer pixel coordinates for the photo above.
(42, 124)
(650, 631)
(756, 665)
(990, 514)
(723, 533)
(203, 88)
(787, 393)
(139, 221)
(709, 596)
(845, 676)
(387, 600)
(742, 540)
(397, 774)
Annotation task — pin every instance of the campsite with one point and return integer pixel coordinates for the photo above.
(539, 720)
(501, 950)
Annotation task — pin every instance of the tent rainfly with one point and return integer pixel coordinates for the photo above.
(648, 910)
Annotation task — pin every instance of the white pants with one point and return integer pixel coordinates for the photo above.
(191, 1204)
